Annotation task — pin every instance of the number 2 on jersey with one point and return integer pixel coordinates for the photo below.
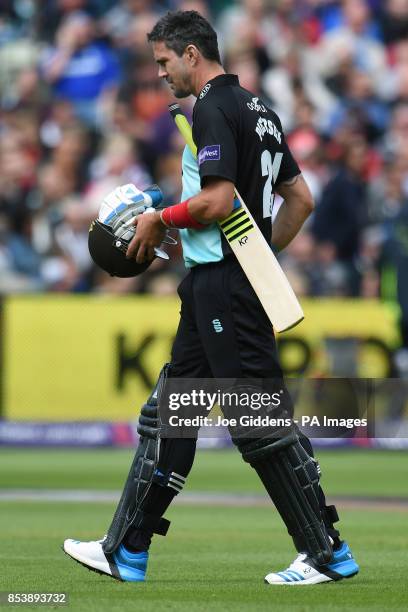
(271, 170)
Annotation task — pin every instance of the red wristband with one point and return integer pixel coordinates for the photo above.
(178, 216)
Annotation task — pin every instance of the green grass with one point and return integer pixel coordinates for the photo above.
(356, 472)
(214, 558)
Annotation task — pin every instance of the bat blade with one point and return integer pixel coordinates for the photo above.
(262, 269)
(253, 253)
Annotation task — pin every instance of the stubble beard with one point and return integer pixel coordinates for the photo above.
(182, 90)
(181, 93)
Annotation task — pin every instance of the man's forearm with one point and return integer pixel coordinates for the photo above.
(208, 208)
(297, 206)
(287, 224)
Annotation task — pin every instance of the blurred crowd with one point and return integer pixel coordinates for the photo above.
(82, 111)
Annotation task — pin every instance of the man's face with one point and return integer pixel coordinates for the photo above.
(174, 69)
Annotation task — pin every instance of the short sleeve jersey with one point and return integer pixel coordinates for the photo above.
(240, 139)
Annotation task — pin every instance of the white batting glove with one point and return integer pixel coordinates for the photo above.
(126, 199)
(122, 205)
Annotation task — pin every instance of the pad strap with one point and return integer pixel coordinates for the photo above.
(150, 522)
(172, 479)
(330, 513)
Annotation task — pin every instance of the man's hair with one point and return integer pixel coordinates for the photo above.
(178, 29)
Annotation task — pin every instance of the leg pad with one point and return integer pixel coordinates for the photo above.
(291, 478)
(140, 476)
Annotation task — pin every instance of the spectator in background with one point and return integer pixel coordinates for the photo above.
(80, 68)
(19, 262)
(249, 20)
(394, 144)
(386, 195)
(148, 100)
(16, 19)
(117, 22)
(18, 163)
(60, 116)
(394, 87)
(396, 253)
(47, 214)
(52, 13)
(394, 20)
(116, 165)
(130, 42)
(95, 115)
(358, 100)
(283, 84)
(71, 241)
(354, 40)
(59, 178)
(18, 54)
(342, 212)
(313, 268)
(306, 146)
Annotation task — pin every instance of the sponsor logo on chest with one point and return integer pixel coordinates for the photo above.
(204, 91)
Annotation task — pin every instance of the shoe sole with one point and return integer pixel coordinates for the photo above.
(307, 582)
(92, 569)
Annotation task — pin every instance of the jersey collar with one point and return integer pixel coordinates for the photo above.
(221, 79)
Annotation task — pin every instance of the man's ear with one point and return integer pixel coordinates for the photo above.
(192, 54)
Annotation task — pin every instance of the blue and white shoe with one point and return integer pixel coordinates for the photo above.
(122, 564)
(303, 571)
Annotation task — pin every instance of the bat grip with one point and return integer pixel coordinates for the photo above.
(175, 110)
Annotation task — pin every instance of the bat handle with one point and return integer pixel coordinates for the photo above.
(184, 127)
(175, 110)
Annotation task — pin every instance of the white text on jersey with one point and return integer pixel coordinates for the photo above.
(266, 125)
(259, 108)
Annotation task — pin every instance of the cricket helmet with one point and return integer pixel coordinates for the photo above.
(111, 233)
(109, 252)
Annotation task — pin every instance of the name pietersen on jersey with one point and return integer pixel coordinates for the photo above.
(266, 126)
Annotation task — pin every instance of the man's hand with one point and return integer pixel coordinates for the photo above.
(150, 233)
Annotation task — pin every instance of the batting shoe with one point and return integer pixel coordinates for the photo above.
(303, 571)
(122, 564)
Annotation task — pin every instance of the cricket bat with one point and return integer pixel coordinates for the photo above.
(253, 253)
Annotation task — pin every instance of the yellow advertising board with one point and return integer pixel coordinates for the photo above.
(69, 357)
(92, 357)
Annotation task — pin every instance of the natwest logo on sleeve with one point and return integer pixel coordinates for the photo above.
(209, 153)
(204, 91)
